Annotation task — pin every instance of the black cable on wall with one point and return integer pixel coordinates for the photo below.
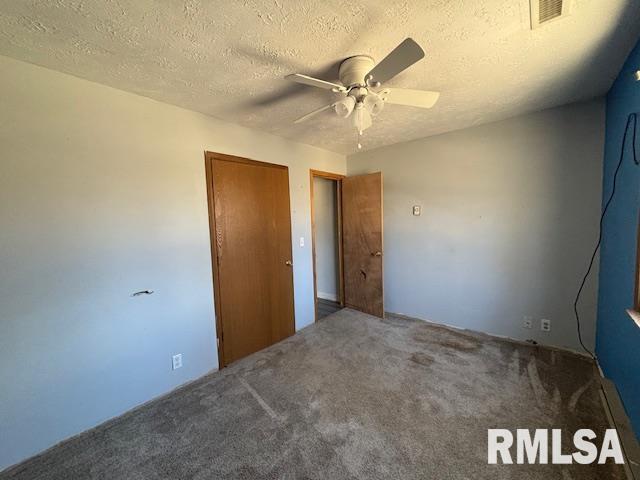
(632, 118)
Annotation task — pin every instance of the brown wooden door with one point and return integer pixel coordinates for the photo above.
(251, 226)
(362, 243)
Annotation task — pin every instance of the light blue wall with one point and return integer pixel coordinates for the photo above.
(618, 337)
(326, 222)
(509, 215)
(103, 193)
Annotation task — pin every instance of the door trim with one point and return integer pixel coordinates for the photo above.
(209, 158)
(338, 179)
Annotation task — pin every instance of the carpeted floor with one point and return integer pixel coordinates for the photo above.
(351, 397)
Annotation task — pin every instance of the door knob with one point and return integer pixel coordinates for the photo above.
(376, 254)
(288, 263)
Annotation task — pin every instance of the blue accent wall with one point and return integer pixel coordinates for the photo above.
(618, 337)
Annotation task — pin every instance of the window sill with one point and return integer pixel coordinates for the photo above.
(635, 316)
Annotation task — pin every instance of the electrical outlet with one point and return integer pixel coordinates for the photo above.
(528, 322)
(545, 325)
(177, 361)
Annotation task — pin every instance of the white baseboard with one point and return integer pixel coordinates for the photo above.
(107, 422)
(493, 335)
(328, 296)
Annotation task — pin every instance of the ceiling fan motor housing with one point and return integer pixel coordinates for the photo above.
(354, 69)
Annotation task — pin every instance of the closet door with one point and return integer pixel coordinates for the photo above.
(251, 243)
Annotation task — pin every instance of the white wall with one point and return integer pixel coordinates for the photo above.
(509, 220)
(326, 219)
(102, 193)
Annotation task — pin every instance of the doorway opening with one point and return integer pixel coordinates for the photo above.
(326, 226)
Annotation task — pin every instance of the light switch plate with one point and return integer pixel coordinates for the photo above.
(416, 210)
(177, 361)
(302, 241)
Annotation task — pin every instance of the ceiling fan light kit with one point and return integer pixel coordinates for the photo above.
(361, 118)
(345, 106)
(374, 103)
(360, 85)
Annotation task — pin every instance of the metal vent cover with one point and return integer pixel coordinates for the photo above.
(544, 11)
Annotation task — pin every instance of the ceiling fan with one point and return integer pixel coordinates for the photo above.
(361, 93)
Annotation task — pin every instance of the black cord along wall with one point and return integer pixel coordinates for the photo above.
(632, 119)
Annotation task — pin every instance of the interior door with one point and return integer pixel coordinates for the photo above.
(362, 243)
(253, 271)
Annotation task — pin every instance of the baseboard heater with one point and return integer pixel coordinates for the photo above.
(619, 419)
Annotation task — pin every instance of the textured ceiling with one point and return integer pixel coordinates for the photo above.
(227, 58)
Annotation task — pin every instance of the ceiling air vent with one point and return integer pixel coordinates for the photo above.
(545, 11)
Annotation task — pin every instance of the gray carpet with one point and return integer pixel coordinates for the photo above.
(351, 397)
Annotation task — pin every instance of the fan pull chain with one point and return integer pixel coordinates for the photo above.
(359, 134)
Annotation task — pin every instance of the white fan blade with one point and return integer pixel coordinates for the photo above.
(400, 58)
(412, 98)
(314, 82)
(315, 112)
